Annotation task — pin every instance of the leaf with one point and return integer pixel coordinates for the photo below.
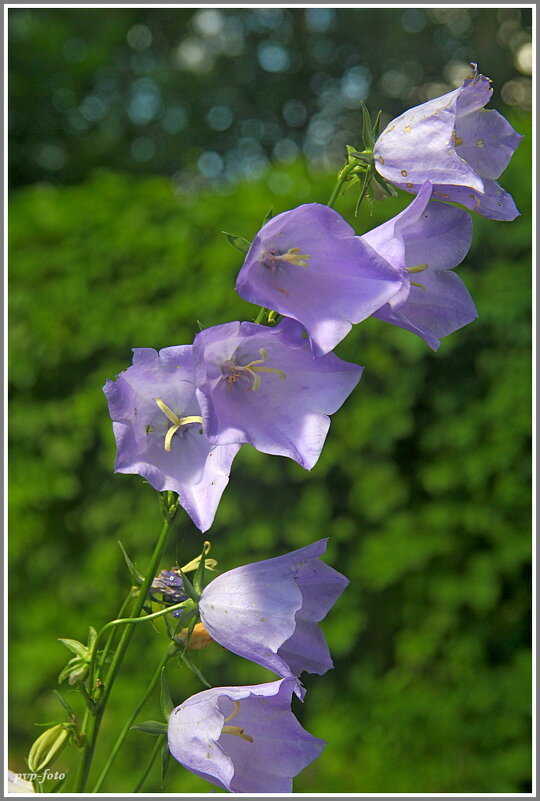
(75, 647)
(367, 131)
(165, 699)
(188, 662)
(268, 216)
(385, 186)
(198, 578)
(376, 127)
(136, 577)
(165, 761)
(189, 588)
(155, 727)
(365, 186)
(64, 703)
(92, 637)
(238, 242)
(183, 619)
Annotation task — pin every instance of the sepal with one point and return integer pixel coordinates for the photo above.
(154, 727)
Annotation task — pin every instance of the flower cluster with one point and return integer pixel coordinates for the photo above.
(181, 415)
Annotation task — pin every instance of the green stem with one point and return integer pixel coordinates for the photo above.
(171, 651)
(155, 751)
(108, 644)
(160, 613)
(118, 657)
(342, 179)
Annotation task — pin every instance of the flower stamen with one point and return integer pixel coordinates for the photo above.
(418, 268)
(238, 731)
(177, 422)
(235, 371)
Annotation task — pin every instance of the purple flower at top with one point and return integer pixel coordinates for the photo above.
(307, 264)
(243, 739)
(264, 386)
(457, 145)
(424, 242)
(269, 611)
(159, 433)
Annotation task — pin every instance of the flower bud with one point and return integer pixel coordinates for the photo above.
(47, 747)
(199, 638)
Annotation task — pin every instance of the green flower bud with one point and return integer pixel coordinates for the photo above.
(47, 747)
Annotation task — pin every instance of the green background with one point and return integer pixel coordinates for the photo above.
(424, 483)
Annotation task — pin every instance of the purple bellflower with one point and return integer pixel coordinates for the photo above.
(269, 611)
(456, 144)
(307, 264)
(243, 739)
(159, 433)
(424, 242)
(263, 386)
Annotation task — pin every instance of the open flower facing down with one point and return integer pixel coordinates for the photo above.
(269, 611)
(457, 145)
(308, 264)
(264, 386)
(243, 739)
(424, 242)
(159, 434)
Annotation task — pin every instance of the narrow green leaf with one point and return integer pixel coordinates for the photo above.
(165, 761)
(376, 127)
(365, 185)
(155, 727)
(268, 216)
(198, 577)
(136, 577)
(238, 242)
(165, 699)
(189, 588)
(92, 637)
(184, 619)
(193, 667)
(75, 647)
(367, 132)
(360, 156)
(385, 186)
(64, 703)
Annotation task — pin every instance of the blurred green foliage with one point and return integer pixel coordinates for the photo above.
(423, 486)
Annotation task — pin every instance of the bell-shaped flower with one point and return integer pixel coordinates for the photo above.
(456, 144)
(269, 611)
(263, 386)
(307, 264)
(243, 739)
(159, 432)
(424, 242)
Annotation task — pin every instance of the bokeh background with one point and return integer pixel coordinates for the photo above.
(136, 137)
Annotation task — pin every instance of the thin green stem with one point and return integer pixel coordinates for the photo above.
(171, 651)
(155, 751)
(342, 179)
(160, 613)
(118, 657)
(108, 644)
